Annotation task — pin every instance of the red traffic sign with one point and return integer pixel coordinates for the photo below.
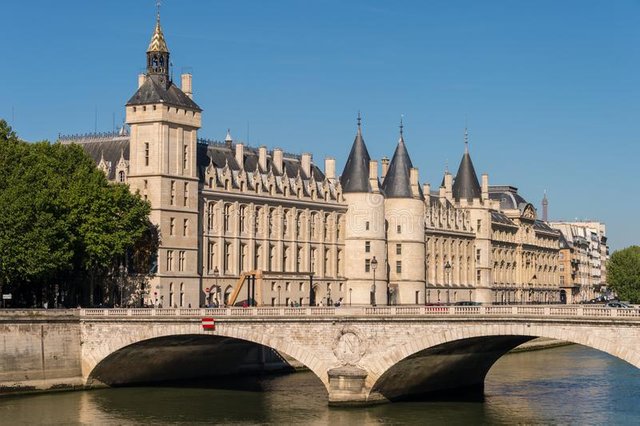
(208, 323)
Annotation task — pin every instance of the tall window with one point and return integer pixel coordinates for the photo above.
(181, 260)
(227, 256)
(243, 257)
(367, 265)
(272, 258)
(172, 225)
(478, 255)
(146, 153)
(185, 156)
(186, 194)
(339, 266)
(366, 226)
(285, 259)
(185, 227)
(398, 249)
(257, 254)
(367, 246)
(212, 255)
(227, 212)
(173, 192)
(399, 229)
(243, 214)
(327, 258)
(285, 223)
(121, 176)
(298, 259)
(169, 260)
(210, 215)
(312, 224)
(398, 267)
(479, 224)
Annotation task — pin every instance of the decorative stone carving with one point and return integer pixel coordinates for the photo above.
(349, 348)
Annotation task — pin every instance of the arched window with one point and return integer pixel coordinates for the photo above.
(121, 176)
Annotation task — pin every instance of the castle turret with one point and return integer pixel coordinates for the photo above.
(164, 122)
(404, 214)
(365, 227)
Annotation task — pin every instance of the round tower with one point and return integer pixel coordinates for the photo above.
(404, 214)
(365, 246)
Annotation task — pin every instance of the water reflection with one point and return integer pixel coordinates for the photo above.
(571, 384)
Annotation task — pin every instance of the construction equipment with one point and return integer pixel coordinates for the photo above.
(253, 291)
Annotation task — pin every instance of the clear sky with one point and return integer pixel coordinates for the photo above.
(550, 89)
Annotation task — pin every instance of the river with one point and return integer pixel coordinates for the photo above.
(566, 385)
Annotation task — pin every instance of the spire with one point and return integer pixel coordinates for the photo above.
(397, 182)
(545, 207)
(158, 52)
(465, 185)
(228, 138)
(355, 176)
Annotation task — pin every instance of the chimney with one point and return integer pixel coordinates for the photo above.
(385, 166)
(141, 79)
(262, 158)
(240, 155)
(413, 179)
(305, 164)
(330, 168)
(485, 187)
(186, 85)
(373, 175)
(277, 160)
(426, 188)
(448, 184)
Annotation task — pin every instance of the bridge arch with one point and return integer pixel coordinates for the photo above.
(98, 347)
(495, 339)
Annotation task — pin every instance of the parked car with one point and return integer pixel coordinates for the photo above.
(617, 305)
(467, 303)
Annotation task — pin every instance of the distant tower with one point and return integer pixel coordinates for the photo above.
(545, 207)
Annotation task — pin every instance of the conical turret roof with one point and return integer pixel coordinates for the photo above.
(355, 176)
(397, 182)
(465, 185)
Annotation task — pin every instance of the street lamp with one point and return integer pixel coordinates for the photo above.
(216, 272)
(374, 265)
(350, 291)
(447, 269)
(279, 294)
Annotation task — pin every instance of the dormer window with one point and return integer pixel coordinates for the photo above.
(121, 176)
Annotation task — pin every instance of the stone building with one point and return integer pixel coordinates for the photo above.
(372, 235)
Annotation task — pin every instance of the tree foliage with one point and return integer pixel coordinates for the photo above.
(64, 229)
(623, 273)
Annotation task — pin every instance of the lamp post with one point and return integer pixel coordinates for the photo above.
(447, 269)
(350, 291)
(216, 272)
(278, 294)
(374, 265)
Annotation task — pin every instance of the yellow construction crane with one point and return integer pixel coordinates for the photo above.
(253, 298)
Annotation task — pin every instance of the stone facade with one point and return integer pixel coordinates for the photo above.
(226, 209)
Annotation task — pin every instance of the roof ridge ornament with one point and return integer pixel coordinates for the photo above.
(359, 123)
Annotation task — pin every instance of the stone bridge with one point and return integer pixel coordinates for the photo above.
(360, 354)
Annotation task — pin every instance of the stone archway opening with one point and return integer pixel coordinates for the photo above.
(452, 370)
(192, 357)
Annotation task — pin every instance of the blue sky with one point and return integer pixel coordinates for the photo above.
(550, 89)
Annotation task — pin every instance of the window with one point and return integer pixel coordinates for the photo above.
(398, 249)
(301, 287)
(227, 212)
(366, 226)
(146, 153)
(479, 225)
(185, 227)
(186, 194)
(561, 279)
(367, 246)
(185, 156)
(398, 266)
(272, 258)
(285, 226)
(181, 295)
(399, 229)
(287, 286)
(181, 260)
(478, 255)
(257, 253)
(212, 255)
(299, 259)
(210, 216)
(478, 276)
(227, 256)
(172, 225)
(173, 192)
(121, 176)
(243, 214)
(171, 298)
(169, 260)
(367, 265)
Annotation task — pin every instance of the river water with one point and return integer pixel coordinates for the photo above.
(565, 385)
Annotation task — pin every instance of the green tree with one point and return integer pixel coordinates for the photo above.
(623, 273)
(63, 227)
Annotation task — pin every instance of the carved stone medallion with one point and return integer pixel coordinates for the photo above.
(348, 347)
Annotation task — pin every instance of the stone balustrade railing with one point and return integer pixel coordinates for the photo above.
(377, 311)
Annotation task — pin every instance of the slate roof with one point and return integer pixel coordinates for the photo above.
(542, 226)
(102, 146)
(397, 182)
(154, 91)
(508, 197)
(465, 184)
(355, 176)
(501, 218)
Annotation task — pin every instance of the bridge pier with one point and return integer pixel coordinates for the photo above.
(347, 386)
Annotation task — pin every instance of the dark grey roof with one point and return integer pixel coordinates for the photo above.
(564, 244)
(355, 176)
(508, 197)
(397, 182)
(221, 155)
(153, 91)
(539, 225)
(501, 218)
(108, 149)
(465, 184)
